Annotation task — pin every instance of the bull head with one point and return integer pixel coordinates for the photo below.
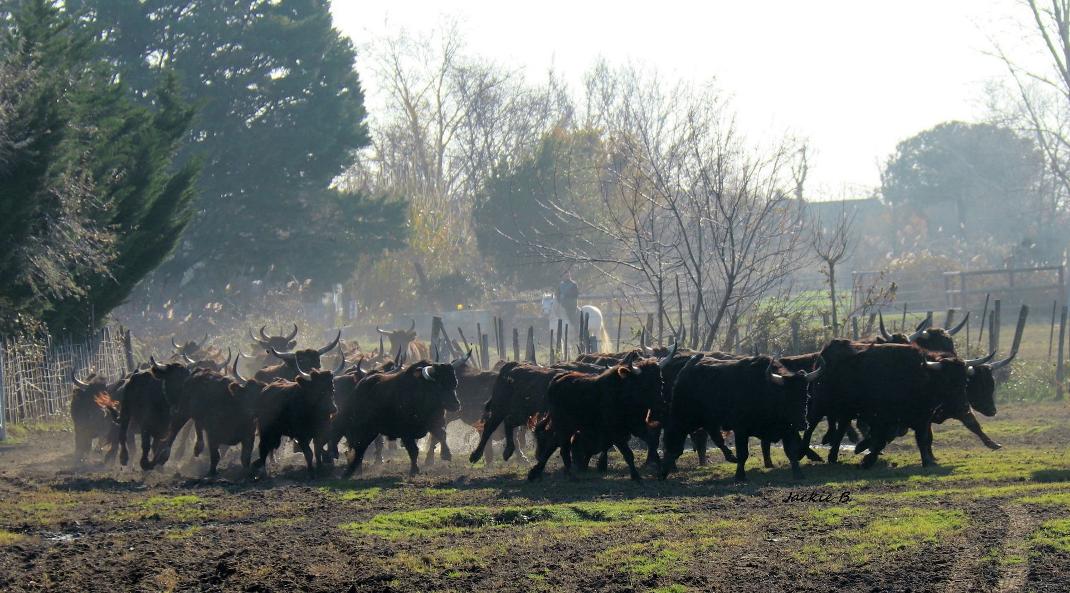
(664, 362)
(922, 331)
(461, 362)
(774, 378)
(74, 379)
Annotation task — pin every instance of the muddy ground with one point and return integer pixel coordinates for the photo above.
(980, 521)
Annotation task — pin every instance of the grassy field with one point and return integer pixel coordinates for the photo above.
(982, 520)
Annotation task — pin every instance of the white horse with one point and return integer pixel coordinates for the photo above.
(553, 310)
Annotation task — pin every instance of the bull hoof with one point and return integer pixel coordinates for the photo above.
(145, 464)
(768, 464)
(430, 459)
(813, 456)
(124, 458)
(993, 445)
(475, 456)
(414, 472)
(447, 456)
(534, 474)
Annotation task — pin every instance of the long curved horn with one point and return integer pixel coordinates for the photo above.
(226, 362)
(263, 335)
(293, 334)
(815, 374)
(664, 362)
(413, 326)
(775, 378)
(256, 339)
(934, 366)
(954, 330)
(385, 333)
(244, 355)
(75, 380)
(234, 369)
(984, 359)
(1022, 315)
(155, 365)
(330, 346)
(300, 372)
(287, 356)
(177, 347)
(884, 332)
(428, 372)
(338, 370)
(922, 331)
(188, 359)
(460, 362)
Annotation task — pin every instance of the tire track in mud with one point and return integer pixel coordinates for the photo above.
(985, 531)
(1015, 543)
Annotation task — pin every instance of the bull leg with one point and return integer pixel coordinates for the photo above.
(742, 453)
(246, 451)
(302, 444)
(113, 444)
(545, 445)
(923, 436)
(835, 437)
(767, 458)
(146, 443)
(852, 434)
(510, 444)
(268, 443)
(484, 437)
(83, 442)
(674, 447)
(432, 440)
(793, 448)
(878, 439)
(629, 457)
(566, 460)
(970, 422)
(213, 452)
(698, 442)
(653, 439)
(603, 461)
(414, 453)
(438, 433)
(861, 445)
(359, 446)
(124, 435)
(718, 439)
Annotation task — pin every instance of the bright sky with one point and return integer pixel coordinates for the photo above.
(853, 77)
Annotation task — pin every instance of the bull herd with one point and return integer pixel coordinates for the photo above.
(871, 391)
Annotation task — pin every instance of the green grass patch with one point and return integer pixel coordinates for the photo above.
(1053, 534)
(911, 528)
(424, 521)
(670, 589)
(449, 562)
(9, 537)
(42, 507)
(1050, 498)
(833, 516)
(182, 508)
(18, 434)
(653, 559)
(181, 534)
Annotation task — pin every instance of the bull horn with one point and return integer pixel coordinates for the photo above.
(177, 347)
(287, 356)
(75, 380)
(256, 339)
(884, 333)
(234, 369)
(332, 345)
(244, 355)
(664, 362)
(385, 333)
(155, 365)
(413, 326)
(300, 372)
(984, 359)
(1022, 315)
(338, 370)
(263, 335)
(954, 330)
(815, 374)
(775, 378)
(1002, 363)
(934, 366)
(230, 353)
(461, 362)
(188, 359)
(293, 334)
(428, 372)
(922, 331)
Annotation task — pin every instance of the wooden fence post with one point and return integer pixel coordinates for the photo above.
(620, 320)
(854, 329)
(557, 345)
(3, 392)
(984, 315)
(993, 331)
(516, 344)
(1051, 332)
(530, 346)
(553, 357)
(564, 349)
(484, 351)
(1059, 364)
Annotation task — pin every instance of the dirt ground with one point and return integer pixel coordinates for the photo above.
(980, 521)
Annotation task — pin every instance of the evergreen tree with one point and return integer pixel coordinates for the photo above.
(280, 115)
(89, 200)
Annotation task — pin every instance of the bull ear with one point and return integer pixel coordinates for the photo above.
(623, 371)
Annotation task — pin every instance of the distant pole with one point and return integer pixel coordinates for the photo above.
(501, 338)
(516, 344)
(467, 347)
(484, 350)
(620, 320)
(993, 332)
(796, 348)
(1051, 332)
(1059, 364)
(557, 346)
(854, 328)
(564, 351)
(984, 315)
(903, 321)
(553, 356)
(530, 346)
(949, 318)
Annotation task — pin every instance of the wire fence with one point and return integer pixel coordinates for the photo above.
(35, 372)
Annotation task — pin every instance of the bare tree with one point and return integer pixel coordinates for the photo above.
(831, 244)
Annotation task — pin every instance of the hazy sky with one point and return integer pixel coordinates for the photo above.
(853, 77)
